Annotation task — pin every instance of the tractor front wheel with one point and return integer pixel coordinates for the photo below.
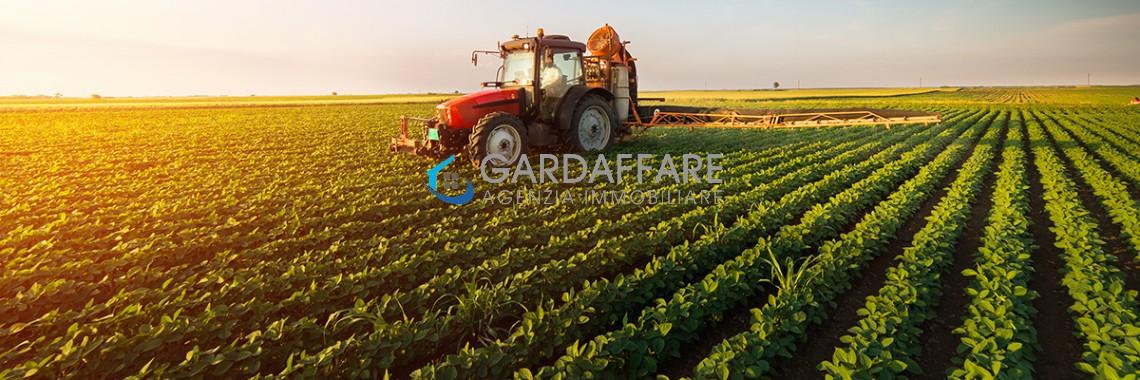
(593, 127)
(500, 136)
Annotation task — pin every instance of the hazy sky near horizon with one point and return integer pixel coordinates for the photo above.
(166, 47)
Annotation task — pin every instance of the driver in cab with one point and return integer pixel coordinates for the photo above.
(553, 84)
(552, 78)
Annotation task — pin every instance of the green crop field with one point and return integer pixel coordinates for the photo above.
(278, 237)
(45, 103)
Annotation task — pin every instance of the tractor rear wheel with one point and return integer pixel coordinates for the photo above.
(593, 128)
(499, 135)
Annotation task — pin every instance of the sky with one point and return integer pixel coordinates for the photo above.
(209, 47)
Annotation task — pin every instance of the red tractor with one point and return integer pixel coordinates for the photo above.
(548, 94)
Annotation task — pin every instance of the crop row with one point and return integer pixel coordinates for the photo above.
(1103, 311)
(782, 321)
(635, 349)
(997, 334)
(1112, 192)
(885, 341)
(1120, 153)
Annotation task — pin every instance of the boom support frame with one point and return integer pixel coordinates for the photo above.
(730, 119)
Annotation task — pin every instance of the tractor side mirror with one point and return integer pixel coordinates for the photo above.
(475, 55)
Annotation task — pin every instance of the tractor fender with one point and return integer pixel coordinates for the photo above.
(571, 99)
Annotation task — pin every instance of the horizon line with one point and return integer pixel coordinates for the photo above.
(331, 93)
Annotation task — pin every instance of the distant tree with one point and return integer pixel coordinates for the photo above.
(96, 96)
(58, 95)
(334, 93)
(776, 85)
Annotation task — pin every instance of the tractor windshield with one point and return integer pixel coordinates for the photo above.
(518, 68)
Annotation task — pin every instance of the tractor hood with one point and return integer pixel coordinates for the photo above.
(464, 112)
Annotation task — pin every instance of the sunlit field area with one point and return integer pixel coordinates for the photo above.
(18, 103)
(278, 237)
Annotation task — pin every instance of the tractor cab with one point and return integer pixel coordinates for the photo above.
(544, 68)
